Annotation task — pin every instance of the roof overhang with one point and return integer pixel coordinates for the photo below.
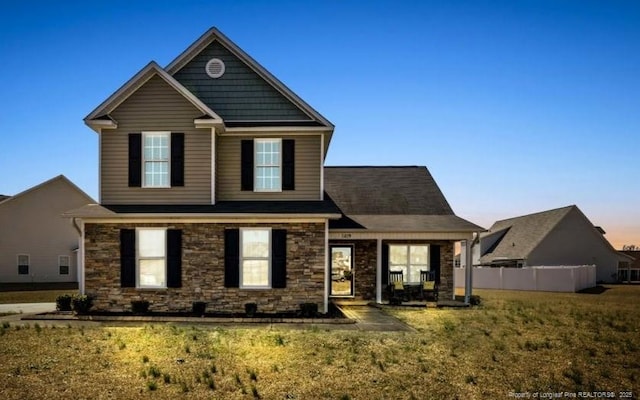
(100, 119)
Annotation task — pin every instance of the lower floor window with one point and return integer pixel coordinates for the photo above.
(152, 266)
(255, 245)
(410, 259)
(23, 264)
(63, 264)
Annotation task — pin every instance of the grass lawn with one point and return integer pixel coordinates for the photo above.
(32, 296)
(512, 342)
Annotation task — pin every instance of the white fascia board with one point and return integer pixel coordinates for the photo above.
(208, 218)
(335, 234)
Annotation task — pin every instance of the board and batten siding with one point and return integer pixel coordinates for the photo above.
(307, 170)
(155, 106)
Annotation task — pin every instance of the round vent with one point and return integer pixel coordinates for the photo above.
(215, 68)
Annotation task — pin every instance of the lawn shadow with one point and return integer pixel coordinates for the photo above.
(594, 290)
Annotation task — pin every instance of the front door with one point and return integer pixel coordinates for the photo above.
(342, 273)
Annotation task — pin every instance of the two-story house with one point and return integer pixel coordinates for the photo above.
(213, 188)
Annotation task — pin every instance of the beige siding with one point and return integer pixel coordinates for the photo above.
(31, 223)
(155, 106)
(307, 170)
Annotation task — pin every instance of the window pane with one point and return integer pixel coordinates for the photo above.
(414, 273)
(23, 260)
(419, 254)
(398, 254)
(255, 273)
(152, 273)
(63, 261)
(156, 147)
(255, 243)
(151, 243)
(156, 173)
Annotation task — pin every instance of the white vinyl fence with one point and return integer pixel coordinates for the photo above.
(542, 278)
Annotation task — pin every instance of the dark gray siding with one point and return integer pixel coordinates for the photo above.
(240, 94)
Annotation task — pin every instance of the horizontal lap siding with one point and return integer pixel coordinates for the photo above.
(307, 170)
(156, 106)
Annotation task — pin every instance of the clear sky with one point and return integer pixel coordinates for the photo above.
(514, 106)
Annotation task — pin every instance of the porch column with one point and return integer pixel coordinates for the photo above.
(468, 272)
(327, 270)
(379, 271)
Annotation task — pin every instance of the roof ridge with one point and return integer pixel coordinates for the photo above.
(567, 208)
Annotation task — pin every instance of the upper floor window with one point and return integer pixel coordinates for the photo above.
(268, 162)
(156, 159)
(23, 264)
(63, 264)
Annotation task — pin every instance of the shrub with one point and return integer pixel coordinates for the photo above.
(139, 306)
(250, 309)
(82, 304)
(63, 302)
(309, 310)
(198, 307)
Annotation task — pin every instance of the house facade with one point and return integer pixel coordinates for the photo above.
(37, 245)
(562, 236)
(213, 188)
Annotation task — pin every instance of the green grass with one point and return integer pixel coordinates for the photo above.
(32, 296)
(513, 342)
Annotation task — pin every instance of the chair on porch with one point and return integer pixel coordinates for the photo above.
(396, 287)
(428, 285)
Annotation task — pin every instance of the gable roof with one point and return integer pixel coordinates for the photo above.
(100, 115)
(214, 34)
(3, 197)
(523, 234)
(633, 256)
(405, 199)
(17, 197)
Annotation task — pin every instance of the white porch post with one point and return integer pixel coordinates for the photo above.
(81, 259)
(379, 271)
(327, 272)
(468, 273)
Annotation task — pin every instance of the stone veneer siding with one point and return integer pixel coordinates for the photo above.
(203, 270)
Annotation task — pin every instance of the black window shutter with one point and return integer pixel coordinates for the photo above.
(434, 261)
(232, 258)
(288, 164)
(135, 159)
(174, 258)
(246, 161)
(385, 265)
(278, 258)
(177, 159)
(127, 257)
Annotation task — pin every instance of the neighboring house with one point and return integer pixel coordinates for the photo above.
(36, 243)
(562, 236)
(213, 188)
(629, 267)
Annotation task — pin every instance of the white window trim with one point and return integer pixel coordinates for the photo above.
(242, 258)
(68, 264)
(256, 166)
(28, 263)
(144, 161)
(408, 264)
(138, 258)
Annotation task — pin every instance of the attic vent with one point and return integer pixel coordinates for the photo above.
(215, 68)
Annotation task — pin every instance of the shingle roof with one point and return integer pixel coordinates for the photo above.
(635, 254)
(3, 197)
(401, 199)
(521, 234)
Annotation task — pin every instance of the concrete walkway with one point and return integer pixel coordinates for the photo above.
(27, 308)
(370, 318)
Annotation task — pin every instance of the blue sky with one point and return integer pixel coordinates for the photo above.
(515, 106)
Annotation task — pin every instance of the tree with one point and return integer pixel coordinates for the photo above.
(631, 247)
